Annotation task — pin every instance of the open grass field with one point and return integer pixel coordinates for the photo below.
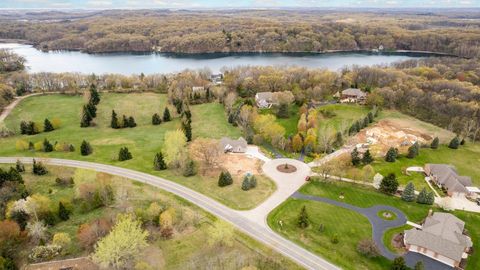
(187, 249)
(343, 115)
(290, 123)
(344, 222)
(143, 141)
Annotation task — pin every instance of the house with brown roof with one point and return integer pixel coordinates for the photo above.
(441, 238)
(446, 177)
(353, 95)
(234, 146)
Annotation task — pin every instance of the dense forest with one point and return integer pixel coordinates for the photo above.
(446, 31)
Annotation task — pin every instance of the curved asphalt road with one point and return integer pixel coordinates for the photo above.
(264, 235)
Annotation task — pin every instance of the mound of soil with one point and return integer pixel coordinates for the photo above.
(286, 168)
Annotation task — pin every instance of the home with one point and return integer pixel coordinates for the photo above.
(441, 237)
(216, 78)
(353, 95)
(265, 100)
(445, 176)
(234, 146)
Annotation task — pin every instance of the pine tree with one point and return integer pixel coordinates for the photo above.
(367, 157)
(94, 95)
(355, 157)
(63, 213)
(124, 121)
(19, 166)
(430, 198)
(189, 169)
(413, 150)
(408, 194)
(423, 197)
(246, 183)
(131, 122)
(389, 184)
(462, 142)
(187, 129)
(85, 148)
(86, 117)
(253, 182)
(92, 109)
(23, 127)
(156, 120)
(366, 121)
(47, 125)
(166, 115)
(370, 117)
(283, 111)
(399, 264)
(454, 143)
(303, 220)
(114, 120)
(338, 139)
(47, 146)
(38, 168)
(159, 162)
(225, 179)
(391, 155)
(124, 154)
(435, 142)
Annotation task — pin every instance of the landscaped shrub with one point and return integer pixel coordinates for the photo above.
(47, 146)
(19, 166)
(303, 220)
(392, 154)
(389, 184)
(367, 157)
(65, 182)
(249, 182)
(454, 143)
(408, 194)
(435, 142)
(156, 120)
(425, 197)
(225, 179)
(189, 168)
(159, 162)
(38, 168)
(44, 253)
(355, 157)
(85, 148)
(47, 126)
(413, 150)
(166, 115)
(368, 248)
(124, 154)
(63, 213)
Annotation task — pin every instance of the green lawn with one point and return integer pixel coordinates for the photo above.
(390, 234)
(144, 141)
(350, 226)
(290, 123)
(345, 115)
(192, 225)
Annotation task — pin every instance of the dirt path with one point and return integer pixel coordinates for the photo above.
(7, 110)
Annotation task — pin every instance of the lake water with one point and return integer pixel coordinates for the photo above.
(128, 63)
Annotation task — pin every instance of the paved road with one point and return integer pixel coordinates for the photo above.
(261, 233)
(379, 226)
(12, 105)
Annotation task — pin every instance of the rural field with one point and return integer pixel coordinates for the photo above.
(334, 221)
(193, 237)
(143, 141)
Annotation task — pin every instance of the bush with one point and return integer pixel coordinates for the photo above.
(189, 168)
(454, 143)
(63, 213)
(124, 154)
(61, 239)
(368, 248)
(68, 181)
(47, 146)
(38, 168)
(225, 179)
(85, 148)
(156, 120)
(44, 253)
(334, 239)
(399, 264)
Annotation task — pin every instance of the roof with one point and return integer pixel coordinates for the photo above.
(448, 177)
(227, 143)
(441, 233)
(198, 88)
(354, 92)
(264, 96)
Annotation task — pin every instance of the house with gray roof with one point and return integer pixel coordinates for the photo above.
(353, 95)
(446, 176)
(234, 146)
(265, 100)
(441, 238)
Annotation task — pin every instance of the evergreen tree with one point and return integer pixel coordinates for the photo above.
(188, 114)
(370, 117)
(283, 111)
(114, 120)
(225, 179)
(124, 121)
(419, 266)
(47, 125)
(399, 264)
(47, 146)
(19, 166)
(425, 197)
(355, 157)
(24, 128)
(131, 122)
(38, 168)
(92, 109)
(246, 183)
(253, 182)
(32, 128)
(187, 129)
(435, 142)
(94, 95)
(430, 198)
(367, 157)
(462, 142)
(189, 169)
(389, 184)
(85, 148)
(413, 150)
(303, 220)
(166, 115)
(159, 162)
(391, 155)
(63, 213)
(454, 143)
(366, 121)
(156, 120)
(357, 126)
(13, 176)
(338, 139)
(124, 154)
(86, 117)
(408, 194)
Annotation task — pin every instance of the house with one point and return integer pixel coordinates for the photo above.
(353, 95)
(198, 89)
(234, 146)
(441, 237)
(216, 78)
(265, 99)
(445, 176)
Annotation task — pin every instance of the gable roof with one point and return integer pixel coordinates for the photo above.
(441, 233)
(354, 92)
(228, 144)
(268, 96)
(447, 176)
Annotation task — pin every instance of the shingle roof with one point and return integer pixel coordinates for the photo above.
(354, 92)
(268, 96)
(448, 177)
(226, 142)
(441, 233)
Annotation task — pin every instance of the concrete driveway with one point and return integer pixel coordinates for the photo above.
(287, 184)
(253, 151)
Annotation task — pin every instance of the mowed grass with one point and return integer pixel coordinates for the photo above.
(179, 252)
(344, 115)
(143, 141)
(344, 222)
(290, 124)
(466, 159)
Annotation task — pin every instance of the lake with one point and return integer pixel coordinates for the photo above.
(129, 63)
